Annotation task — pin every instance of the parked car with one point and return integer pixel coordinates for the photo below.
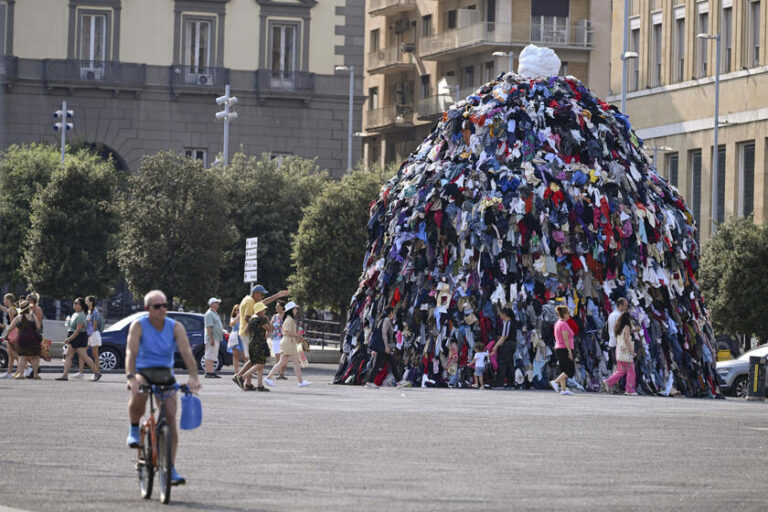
(114, 339)
(734, 374)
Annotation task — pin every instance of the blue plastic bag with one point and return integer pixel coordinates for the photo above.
(191, 412)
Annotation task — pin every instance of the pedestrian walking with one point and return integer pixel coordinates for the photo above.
(235, 343)
(9, 312)
(277, 334)
(29, 339)
(563, 351)
(214, 333)
(247, 310)
(77, 339)
(258, 350)
(381, 344)
(480, 361)
(94, 325)
(625, 356)
(505, 347)
(621, 306)
(288, 347)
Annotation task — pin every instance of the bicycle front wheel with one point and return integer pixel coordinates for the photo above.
(164, 461)
(144, 464)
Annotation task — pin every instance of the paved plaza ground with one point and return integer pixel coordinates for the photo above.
(348, 448)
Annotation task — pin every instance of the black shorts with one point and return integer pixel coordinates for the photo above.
(564, 363)
(159, 376)
(80, 341)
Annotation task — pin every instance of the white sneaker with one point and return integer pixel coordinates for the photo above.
(304, 383)
(77, 376)
(565, 392)
(555, 386)
(371, 385)
(5, 375)
(269, 382)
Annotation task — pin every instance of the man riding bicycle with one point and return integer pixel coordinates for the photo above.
(152, 341)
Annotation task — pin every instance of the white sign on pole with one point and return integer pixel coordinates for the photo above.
(252, 243)
(251, 265)
(251, 276)
(251, 260)
(251, 254)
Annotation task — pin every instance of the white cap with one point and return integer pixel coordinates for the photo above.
(290, 306)
(213, 300)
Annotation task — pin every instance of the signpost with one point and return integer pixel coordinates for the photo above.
(251, 261)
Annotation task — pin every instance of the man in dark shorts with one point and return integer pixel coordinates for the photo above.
(152, 341)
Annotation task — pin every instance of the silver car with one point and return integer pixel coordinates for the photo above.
(734, 374)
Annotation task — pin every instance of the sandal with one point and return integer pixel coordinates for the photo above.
(262, 388)
(249, 387)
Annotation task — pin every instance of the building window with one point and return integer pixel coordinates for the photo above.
(746, 178)
(93, 38)
(374, 40)
(469, 77)
(702, 28)
(3, 17)
(373, 98)
(753, 35)
(680, 49)
(695, 184)
(451, 20)
(490, 11)
(563, 68)
(720, 185)
(656, 62)
(726, 43)
(197, 154)
(197, 48)
(283, 61)
(490, 71)
(425, 88)
(93, 33)
(634, 46)
(672, 172)
(426, 25)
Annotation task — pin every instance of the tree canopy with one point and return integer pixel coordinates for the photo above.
(69, 243)
(328, 250)
(175, 228)
(733, 277)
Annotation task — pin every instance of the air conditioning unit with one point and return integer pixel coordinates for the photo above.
(89, 73)
(204, 79)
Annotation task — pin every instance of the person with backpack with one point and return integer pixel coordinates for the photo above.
(380, 344)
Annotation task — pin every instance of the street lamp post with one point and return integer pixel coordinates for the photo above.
(511, 56)
(351, 70)
(226, 115)
(715, 158)
(624, 58)
(656, 154)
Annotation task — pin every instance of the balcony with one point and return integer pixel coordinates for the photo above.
(389, 7)
(393, 115)
(8, 68)
(391, 60)
(555, 32)
(96, 74)
(433, 107)
(285, 84)
(198, 79)
(483, 36)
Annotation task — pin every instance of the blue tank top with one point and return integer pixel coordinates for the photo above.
(156, 348)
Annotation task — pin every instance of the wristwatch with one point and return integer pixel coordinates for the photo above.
(129, 376)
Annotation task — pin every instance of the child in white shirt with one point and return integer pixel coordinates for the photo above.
(479, 362)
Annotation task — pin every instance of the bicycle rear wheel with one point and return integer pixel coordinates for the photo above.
(164, 461)
(144, 464)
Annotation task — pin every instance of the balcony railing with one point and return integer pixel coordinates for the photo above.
(199, 77)
(126, 74)
(393, 57)
(387, 7)
(389, 116)
(434, 106)
(8, 68)
(271, 81)
(484, 33)
(554, 31)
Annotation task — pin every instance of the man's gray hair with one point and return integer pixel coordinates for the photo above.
(151, 294)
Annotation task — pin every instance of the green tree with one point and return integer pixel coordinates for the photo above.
(329, 247)
(24, 171)
(174, 229)
(733, 277)
(68, 246)
(267, 199)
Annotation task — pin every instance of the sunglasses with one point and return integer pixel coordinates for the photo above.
(158, 306)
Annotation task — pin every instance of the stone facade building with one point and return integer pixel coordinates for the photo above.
(143, 75)
(671, 96)
(422, 55)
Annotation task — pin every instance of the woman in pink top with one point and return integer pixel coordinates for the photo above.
(563, 351)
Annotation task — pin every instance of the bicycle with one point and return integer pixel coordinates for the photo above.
(154, 451)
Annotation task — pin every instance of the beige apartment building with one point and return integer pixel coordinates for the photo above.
(421, 55)
(671, 98)
(143, 75)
